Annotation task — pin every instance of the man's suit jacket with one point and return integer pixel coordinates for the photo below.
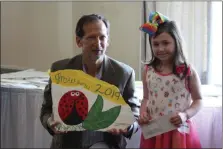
(113, 72)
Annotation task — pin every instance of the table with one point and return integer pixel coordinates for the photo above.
(21, 127)
(20, 122)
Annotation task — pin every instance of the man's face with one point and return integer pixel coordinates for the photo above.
(94, 42)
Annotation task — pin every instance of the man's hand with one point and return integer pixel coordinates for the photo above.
(144, 118)
(178, 119)
(117, 131)
(52, 124)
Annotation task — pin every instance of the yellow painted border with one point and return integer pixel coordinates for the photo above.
(72, 78)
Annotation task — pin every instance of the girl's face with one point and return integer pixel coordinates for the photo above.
(163, 47)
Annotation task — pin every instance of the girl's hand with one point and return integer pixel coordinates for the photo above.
(144, 118)
(179, 119)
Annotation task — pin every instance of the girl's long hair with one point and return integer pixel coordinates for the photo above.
(170, 27)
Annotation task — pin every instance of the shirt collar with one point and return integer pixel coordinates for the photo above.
(98, 75)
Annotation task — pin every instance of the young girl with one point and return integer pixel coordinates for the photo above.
(170, 86)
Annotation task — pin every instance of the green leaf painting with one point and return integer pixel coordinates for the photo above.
(95, 109)
(97, 119)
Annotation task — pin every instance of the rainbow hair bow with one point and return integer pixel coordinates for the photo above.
(155, 19)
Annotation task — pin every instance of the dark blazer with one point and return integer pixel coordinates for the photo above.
(114, 72)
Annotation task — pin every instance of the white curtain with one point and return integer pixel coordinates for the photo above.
(215, 54)
(191, 18)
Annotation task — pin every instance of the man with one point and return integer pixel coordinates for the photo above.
(92, 35)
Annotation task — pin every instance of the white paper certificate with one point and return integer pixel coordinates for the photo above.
(158, 126)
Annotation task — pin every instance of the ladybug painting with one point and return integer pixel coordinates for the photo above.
(73, 107)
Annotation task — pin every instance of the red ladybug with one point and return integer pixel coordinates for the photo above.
(73, 107)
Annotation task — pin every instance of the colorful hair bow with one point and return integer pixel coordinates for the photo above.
(155, 19)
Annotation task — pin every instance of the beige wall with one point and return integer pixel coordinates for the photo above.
(34, 34)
